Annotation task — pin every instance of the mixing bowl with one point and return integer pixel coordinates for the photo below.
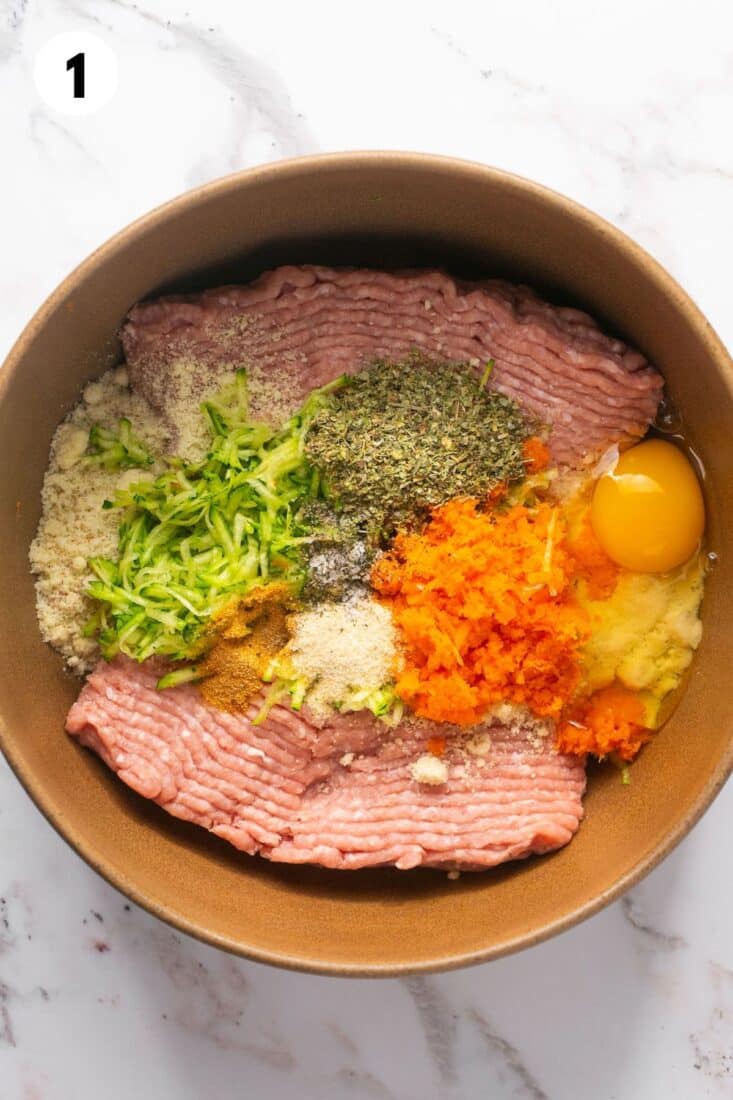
(384, 210)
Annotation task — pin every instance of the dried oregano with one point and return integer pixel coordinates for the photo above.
(399, 438)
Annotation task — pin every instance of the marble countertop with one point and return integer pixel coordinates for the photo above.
(626, 108)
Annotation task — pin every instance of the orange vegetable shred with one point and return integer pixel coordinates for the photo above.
(486, 612)
(593, 563)
(609, 721)
(536, 455)
(497, 493)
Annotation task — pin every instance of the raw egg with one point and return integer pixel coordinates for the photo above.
(648, 512)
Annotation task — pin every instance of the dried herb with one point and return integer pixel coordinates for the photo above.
(400, 438)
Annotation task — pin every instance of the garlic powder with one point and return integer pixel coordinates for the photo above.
(341, 647)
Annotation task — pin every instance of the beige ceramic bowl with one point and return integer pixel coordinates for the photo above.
(382, 209)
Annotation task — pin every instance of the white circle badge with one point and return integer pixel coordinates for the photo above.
(76, 73)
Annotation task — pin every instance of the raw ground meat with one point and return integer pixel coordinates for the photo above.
(280, 789)
(309, 324)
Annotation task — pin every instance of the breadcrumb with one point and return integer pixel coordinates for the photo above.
(74, 526)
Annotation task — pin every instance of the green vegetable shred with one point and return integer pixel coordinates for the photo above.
(123, 451)
(202, 534)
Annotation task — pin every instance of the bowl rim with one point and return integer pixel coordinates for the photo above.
(282, 169)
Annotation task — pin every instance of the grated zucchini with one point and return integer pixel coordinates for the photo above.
(202, 534)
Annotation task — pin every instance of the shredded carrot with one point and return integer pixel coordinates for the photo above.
(609, 721)
(498, 492)
(486, 611)
(536, 455)
(436, 745)
(592, 562)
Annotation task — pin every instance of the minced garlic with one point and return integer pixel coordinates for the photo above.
(430, 770)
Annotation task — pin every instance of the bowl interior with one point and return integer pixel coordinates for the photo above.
(382, 210)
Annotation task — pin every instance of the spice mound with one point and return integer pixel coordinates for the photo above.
(250, 632)
(343, 654)
(399, 438)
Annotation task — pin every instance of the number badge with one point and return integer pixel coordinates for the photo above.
(76, 72)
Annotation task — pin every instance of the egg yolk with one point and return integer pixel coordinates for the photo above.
(648, 512)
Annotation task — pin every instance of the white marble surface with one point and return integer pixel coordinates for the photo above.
(627, 108)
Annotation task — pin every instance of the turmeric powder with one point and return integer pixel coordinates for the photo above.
(248, 635)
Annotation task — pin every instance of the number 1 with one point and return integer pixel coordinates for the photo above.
(77, 64)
